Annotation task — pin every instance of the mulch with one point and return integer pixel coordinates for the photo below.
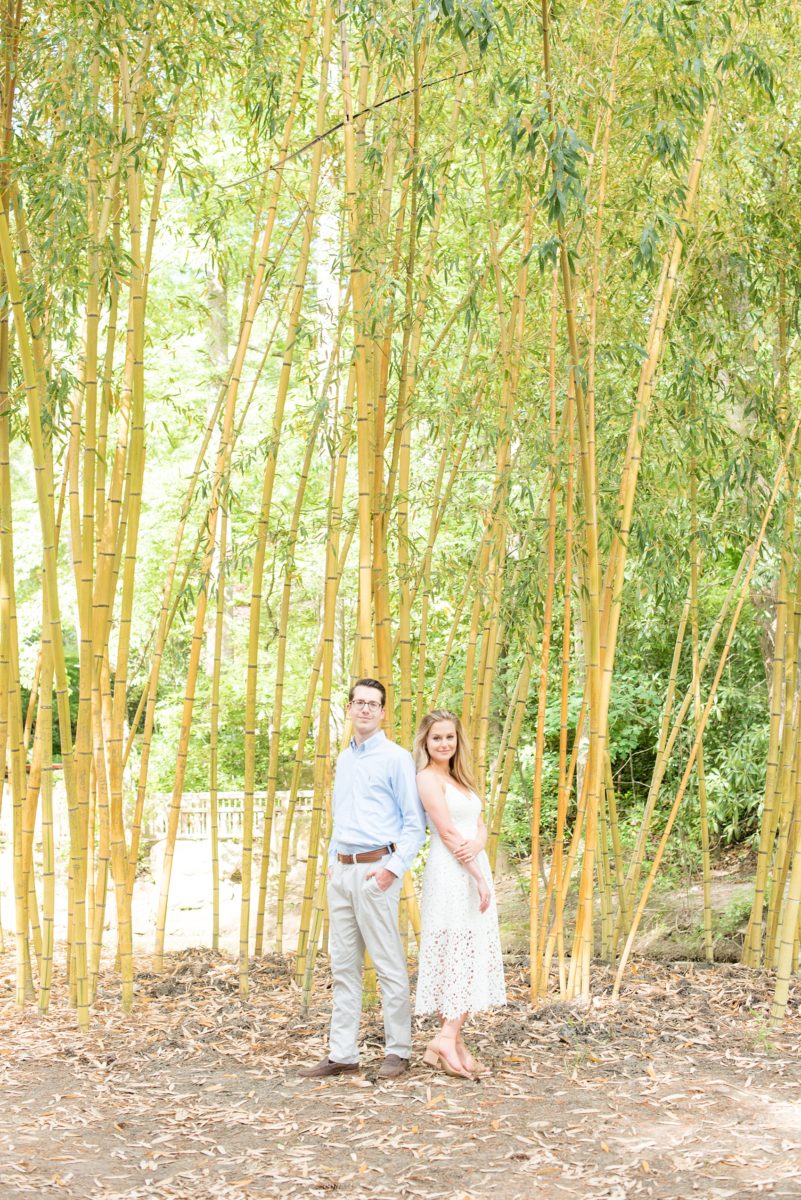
(679, 1089)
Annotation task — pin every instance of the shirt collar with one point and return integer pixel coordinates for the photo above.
(369, 744)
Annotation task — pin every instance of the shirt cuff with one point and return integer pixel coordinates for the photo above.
(396, 865)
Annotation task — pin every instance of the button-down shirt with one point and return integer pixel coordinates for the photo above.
(376, 802)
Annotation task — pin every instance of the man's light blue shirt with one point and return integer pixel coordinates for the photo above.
(376, 802)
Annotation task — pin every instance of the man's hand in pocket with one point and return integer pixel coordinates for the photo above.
(383, 878)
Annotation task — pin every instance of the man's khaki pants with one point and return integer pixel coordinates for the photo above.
(360, 916)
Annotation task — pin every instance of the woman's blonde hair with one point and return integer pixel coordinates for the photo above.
(461, 768)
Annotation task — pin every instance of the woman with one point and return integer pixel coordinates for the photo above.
(461, 969)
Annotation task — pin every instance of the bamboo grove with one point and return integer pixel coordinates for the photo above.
(505, 375)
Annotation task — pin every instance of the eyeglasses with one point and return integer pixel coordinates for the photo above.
(370, 705)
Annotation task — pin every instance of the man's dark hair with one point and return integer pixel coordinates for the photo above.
(371, 683)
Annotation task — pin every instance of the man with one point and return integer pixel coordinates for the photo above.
(379, 827)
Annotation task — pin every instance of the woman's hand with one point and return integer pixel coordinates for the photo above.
(467, 850)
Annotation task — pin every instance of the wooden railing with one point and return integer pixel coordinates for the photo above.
(195, 819)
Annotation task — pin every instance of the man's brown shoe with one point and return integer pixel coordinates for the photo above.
(326, 1067)
(392, 1066)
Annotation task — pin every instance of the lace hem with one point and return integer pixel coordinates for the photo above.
(461, 971)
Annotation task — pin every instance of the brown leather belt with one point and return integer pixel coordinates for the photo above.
(367, 855)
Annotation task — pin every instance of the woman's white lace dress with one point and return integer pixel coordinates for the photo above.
(460, 967)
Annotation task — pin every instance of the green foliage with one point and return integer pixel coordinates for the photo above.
(733, 919)
(224, 73)
(73, 676)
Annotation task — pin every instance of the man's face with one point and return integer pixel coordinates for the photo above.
(366, 711)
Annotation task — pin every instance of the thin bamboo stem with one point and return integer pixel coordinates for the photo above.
(780, 473)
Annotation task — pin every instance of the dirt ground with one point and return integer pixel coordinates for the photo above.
(680, 1089)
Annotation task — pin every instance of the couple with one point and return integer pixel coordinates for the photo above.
(379, 827)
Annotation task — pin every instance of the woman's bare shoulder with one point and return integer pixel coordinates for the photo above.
(430, 782)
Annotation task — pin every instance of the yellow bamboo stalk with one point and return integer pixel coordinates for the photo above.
(357, 284)
(788, 944)
(108, 736)
(103, 859)
(45, 722)
(297, 766)
(557, 877)
(785, 782)
(491, 639)
(84, 413)
(566, 769)
(564, 785)
(266, 504)
(511, 333)
(464, 596)
(601, 674)
(785, 946)
(381, 600)
(425, 573)
(46, 516)
(24, 976)
(317, 916)
(188, 706)
(781, 470)
(399, 473)
(606, 113)
(507, 751)
(465, 593)
(481, 562)
(221, 467)
(169, 606)
(559, 891)
(604, 879)
(545, 652)
(98, 782)
(166, 616)
(91, 846)
(214, 724)
(294, 788)
(752, 946)
(782, 866)
(645, 390)
(617, 851)
(323, 742)
(616, 565)
(167, 612)
(33, 700)
(29, 808)
(404, 429)
(440, 503)
(7, 583)
(695, 555)
(669, 734)
(9, 691)
(578, 979)
(105, 390)
(283, 627)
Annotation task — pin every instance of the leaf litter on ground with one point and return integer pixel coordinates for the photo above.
(679, 1089)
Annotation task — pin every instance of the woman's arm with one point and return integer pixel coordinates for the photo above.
(472, 846)
(432, 795)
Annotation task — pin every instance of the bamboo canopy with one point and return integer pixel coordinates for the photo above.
(452, 344)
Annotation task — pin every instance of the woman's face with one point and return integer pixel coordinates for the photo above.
(442, 742)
